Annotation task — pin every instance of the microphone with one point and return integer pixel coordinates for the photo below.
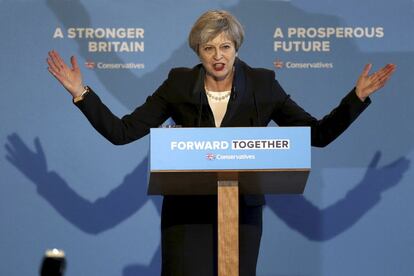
(200, 109)
(54, 263)
(233, 94)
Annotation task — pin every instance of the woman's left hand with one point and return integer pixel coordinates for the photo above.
(368, 84)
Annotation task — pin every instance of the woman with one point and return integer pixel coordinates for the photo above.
(222, 91)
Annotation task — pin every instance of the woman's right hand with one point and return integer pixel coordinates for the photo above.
(70, 78)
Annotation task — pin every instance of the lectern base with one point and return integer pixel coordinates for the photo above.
(228, 227)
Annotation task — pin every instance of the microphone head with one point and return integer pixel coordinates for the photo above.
(54, 263)
(233, 93)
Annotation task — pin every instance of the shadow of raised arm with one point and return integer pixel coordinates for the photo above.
(152, 269)
(90, 217)
(325, 224)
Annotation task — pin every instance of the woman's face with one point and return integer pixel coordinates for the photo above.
(217, 56)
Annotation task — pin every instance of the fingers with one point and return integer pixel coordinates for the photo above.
(366, 70)
(10, 150)
(377, 84)
(58, 60)
(58, 68)
(53, 58)
(55, 67)
(383, 75)
(52, 62)
(56, 74)
(12, 160)
(52, 66)
(390, 69)
(384, 72)
(11, 154)
(383, 80)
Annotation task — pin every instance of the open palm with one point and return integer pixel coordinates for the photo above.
(70, 78)
(368, 84)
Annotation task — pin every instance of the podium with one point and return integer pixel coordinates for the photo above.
(229, 162)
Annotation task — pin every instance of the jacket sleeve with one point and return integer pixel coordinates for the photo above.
(130, 127)
(325, 130)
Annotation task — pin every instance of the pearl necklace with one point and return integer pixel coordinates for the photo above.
(218, 98)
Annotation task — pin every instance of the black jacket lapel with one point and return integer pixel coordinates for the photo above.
(238, 96)
(204, 116)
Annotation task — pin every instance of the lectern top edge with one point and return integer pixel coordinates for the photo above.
(232, 171)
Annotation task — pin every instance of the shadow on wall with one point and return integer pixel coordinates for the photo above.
(301, 215)
(325, 224)
(96, 217)
(90, 217)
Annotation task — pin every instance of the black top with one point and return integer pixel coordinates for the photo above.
(256, 99)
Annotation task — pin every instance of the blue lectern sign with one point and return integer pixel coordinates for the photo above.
(261, 148)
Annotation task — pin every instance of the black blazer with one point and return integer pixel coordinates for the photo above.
(256, 99)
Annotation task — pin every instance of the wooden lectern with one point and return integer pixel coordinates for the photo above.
(229, 162)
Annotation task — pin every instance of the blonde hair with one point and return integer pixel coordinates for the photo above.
(212, 23)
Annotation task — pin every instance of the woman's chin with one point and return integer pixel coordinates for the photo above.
(219, 75)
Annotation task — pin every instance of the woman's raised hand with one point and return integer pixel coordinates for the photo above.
(368, 84)
(70, 78)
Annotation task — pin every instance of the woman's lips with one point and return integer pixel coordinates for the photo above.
(218, 66)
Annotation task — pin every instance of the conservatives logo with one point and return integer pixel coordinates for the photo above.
(90, 64)
(114, 66)
(210, 156)
(278, 64)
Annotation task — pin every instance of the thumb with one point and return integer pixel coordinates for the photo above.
(74, 63)
(38, 147)
(366, 70)
(375, 160)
